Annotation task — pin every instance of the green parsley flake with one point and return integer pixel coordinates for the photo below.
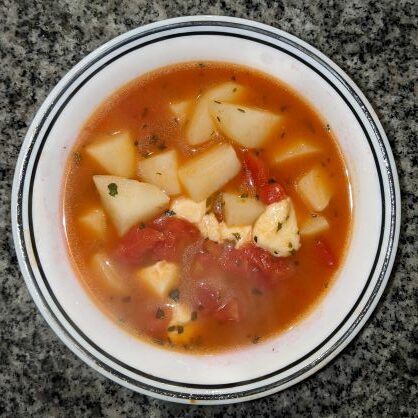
(236, 235)
(279, 226)
(113, 189)
(240, 110)
(160, 314)
(175, 295)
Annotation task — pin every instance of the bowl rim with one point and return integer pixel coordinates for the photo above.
(50, 102)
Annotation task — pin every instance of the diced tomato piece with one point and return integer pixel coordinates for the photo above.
(228, 312)
(246, 183)
(137, 243)
(178, 234)
(208, 298)
(273, 268)
(269, 190)
(271, 193)
(324, 253)
(179, 227)
(258, 264)
(257, 168)
(213, 248)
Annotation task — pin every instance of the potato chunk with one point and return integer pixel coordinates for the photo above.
(239, 234)
(201, 125)
(128, 202)
(247, 126)
(297, 150)
(161, 170)
(180, 110)
(315, 189)
(180, 314)
(208, 172)
(160, 278)
(95, 221)
(241, 210)
(108, 274)
(188, 209)
(115, 153)
(276, 230)
(314, 226)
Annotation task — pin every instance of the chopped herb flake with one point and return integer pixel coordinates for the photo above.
(175, 295)
(234, 90)
(290, 245)
(219, 119)
(209, 201)
(240, 110)
(160, 314)
(279, 226)
(328, 128)
(293, 251)
(271, 181)
(236, 235)
(255, 340)
(158, 341)
(255, 239)
(171, 328)
(158, 173)
(180, 329)
(169, 212)
(141, 225)
(244, 195)
(113, 189)
(216, 101)
(193, 316)
(153, 139)
(201, 64)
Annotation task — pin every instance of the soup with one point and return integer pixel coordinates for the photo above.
(206, 207)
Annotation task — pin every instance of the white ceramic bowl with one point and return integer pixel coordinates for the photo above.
(249, 372)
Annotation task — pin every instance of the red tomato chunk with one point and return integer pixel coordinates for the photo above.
(257, 175)
(164, 239)
(324, 253)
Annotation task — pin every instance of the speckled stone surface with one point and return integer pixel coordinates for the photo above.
(376, 43)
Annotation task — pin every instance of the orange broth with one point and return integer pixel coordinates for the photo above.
(141, 107)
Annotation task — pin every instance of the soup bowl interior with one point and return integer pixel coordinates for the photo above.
(73, 314)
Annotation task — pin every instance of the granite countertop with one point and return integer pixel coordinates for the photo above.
(375, 42)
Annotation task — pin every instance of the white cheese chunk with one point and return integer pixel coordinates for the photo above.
(276, 230)
(209, 227)
(239, 234)
(188, 209)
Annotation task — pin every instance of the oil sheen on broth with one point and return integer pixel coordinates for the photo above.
(206, 207)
